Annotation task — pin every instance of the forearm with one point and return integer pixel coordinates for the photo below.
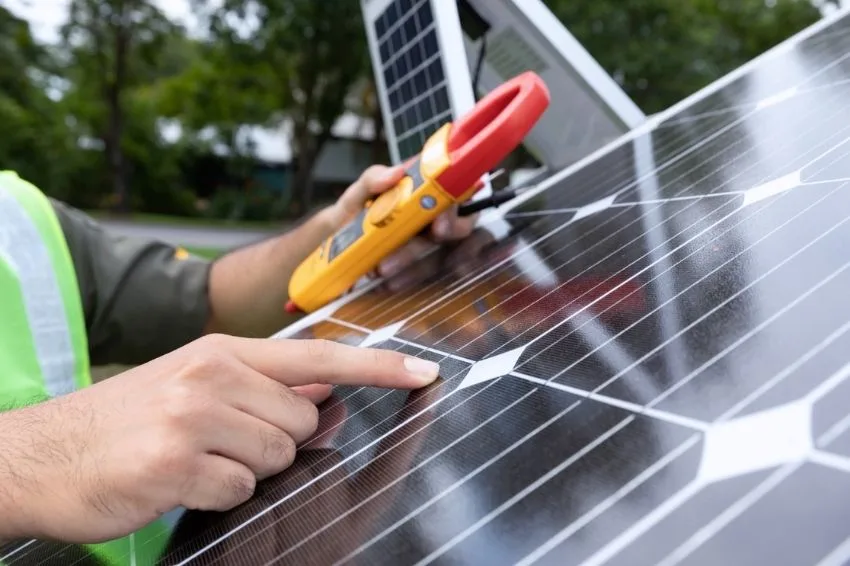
(11, 504)
(248, 287)
(22, 466)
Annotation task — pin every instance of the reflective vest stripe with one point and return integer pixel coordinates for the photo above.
(43, 344)
(38, 210)
(24, 251)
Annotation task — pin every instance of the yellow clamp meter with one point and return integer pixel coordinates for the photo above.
(448, 171)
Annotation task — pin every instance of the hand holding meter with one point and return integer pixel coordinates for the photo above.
(448, 171)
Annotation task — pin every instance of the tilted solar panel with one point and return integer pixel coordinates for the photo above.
(412, 65)
(644, 361)
(413, 58)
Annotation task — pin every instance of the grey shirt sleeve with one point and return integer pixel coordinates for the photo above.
(141, 298)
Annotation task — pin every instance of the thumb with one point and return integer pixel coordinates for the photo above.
(379, 178)
(374, 180)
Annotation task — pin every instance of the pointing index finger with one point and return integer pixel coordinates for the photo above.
(304, 362)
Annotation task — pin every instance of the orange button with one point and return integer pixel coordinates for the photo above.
(383, 206)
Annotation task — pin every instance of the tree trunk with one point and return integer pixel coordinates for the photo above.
(304, 181)
(115, 133)
(307, 148)
(115, 155)
(299, 184)
(303, 165)
(307, 184)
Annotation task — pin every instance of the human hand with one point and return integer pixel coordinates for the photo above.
(371, 183)
(348, 496)
(467, 258)
(196, 428)
(446, 227)
(377, 179)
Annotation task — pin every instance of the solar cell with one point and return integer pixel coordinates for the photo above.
(408, 39)
(670, 386)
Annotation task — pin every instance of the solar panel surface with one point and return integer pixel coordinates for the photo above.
(412, 68)
(647, 364)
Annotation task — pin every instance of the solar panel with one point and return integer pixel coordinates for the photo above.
(644, 361)
(420, 89)
(431, 59)
(487, 42)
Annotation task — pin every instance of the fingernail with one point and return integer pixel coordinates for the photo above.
(422, 369)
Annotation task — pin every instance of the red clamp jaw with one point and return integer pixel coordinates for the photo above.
(481, 139)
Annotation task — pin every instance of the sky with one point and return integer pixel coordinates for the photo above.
(45, 16)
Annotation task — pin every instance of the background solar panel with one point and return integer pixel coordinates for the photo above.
(413, 73)
(409, 59)
(645, 362)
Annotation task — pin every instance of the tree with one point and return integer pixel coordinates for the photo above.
(83, 119)
(214, 107)
(368, 106)
(661, 51)
(313, 52)
(112, 45)
(36, 142)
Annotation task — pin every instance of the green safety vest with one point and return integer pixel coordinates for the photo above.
(43, 343)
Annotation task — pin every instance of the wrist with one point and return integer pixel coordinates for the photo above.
(333, 217)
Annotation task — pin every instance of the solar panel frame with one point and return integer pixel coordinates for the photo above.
(641, 445)
(592, 108)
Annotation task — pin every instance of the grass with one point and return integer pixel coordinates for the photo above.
(209, 253)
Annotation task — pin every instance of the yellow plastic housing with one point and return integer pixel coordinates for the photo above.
(384, 226)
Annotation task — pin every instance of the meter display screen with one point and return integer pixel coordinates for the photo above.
(347, 236)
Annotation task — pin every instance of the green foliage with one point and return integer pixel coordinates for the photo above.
(35, 140)
(111, 46)
(83, 119)
(661, 51)
(215, 107)
(306, 54)
(208, 253)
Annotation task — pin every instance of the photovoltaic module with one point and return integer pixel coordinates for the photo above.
(645, 360)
